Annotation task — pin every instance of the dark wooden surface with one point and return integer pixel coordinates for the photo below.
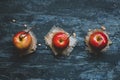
(77, 15)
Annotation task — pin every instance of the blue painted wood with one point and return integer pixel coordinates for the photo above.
(77, 15)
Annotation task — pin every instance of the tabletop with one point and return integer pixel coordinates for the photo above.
(71, 15)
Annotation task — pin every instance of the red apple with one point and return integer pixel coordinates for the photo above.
(22, 40)
(60, 40)
(98, 40)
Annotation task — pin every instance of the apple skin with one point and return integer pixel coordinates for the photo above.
(22, 43)
(98, 40)
(60, 40)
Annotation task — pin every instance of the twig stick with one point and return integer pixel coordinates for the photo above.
(70, 34)
(24, 34)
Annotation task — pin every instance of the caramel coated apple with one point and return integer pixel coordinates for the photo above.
(22, 40)
(97, 40)
(60, 40)
(25, 42)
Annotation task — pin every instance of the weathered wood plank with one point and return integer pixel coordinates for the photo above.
(70, 15)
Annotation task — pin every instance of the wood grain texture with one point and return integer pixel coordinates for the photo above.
(77, 15)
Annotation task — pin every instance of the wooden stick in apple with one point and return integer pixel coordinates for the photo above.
(97, 40)
(61, 42)
(25, 41)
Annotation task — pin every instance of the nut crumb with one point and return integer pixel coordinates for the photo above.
(25, 25)
(89, 29)
(39, 44)
(13, 20)
(103, 28)
(74, 34)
